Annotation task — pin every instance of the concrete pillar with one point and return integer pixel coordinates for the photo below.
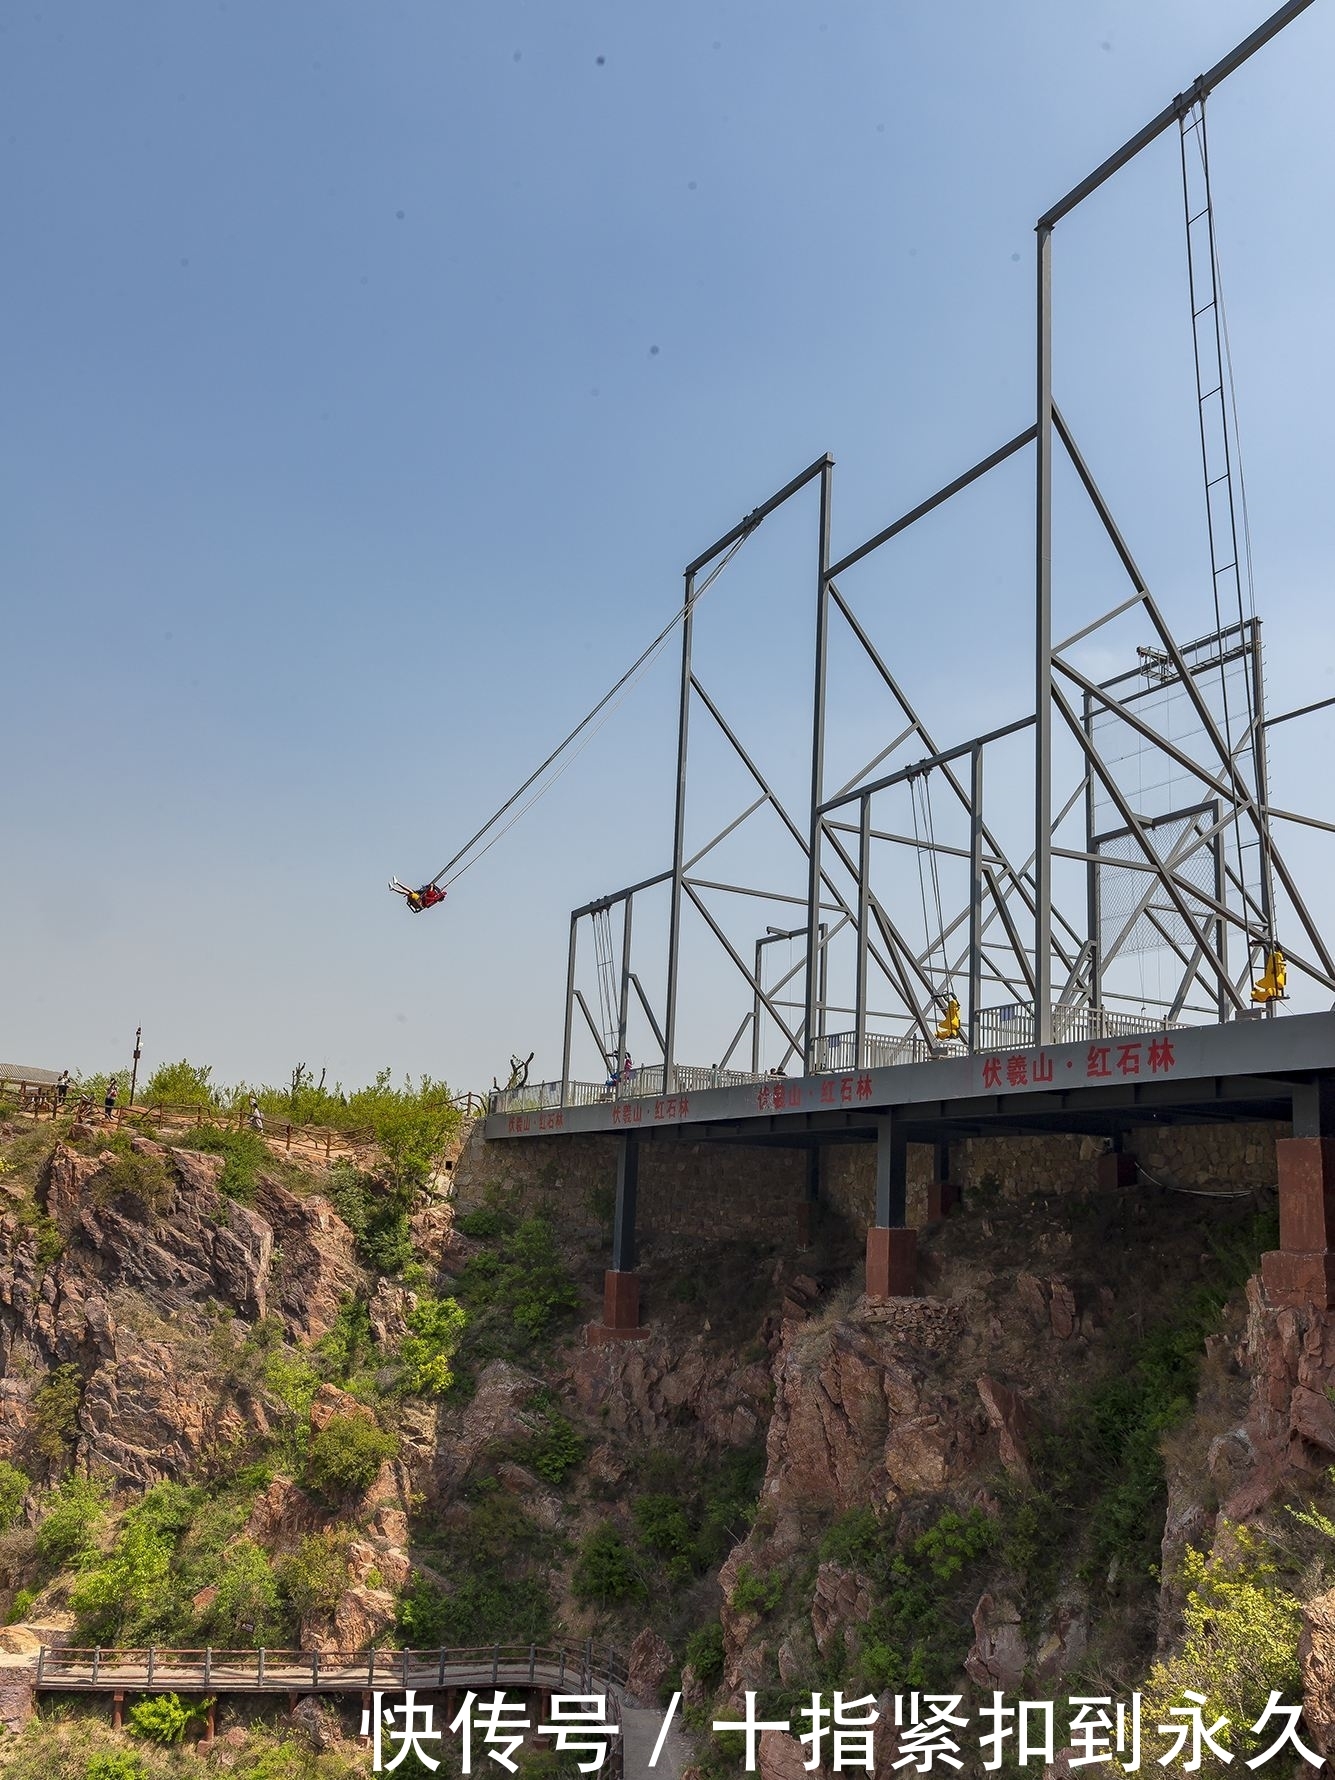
(117, 1711)
(892, 1263)
(210, 1725)
(892, 1248)
(1302, 1270)
(1114, 1168)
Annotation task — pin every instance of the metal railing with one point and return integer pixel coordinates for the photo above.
(1012, 1027)
(65, 1669)
(640, 1084)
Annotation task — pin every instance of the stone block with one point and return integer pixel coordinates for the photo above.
(1306, 1167)
(892, 1262)
(1293, 1281)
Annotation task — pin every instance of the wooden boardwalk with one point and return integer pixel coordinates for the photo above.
(573, 1668)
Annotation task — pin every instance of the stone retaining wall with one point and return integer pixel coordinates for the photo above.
(685, 1189)
(708, 1189)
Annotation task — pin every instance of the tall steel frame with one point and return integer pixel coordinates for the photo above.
(1014, 936)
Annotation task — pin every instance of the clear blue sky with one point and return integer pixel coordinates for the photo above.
(370, 372)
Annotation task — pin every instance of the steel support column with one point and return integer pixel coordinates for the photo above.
(975, 894)
(892, 1248)
(1043, 652)
(570, 1010)
(678, 842)
(863, 937)
(624, 1253)
(814, 955)
(623, 1007)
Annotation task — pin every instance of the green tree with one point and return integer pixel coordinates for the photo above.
(315, 1576)
(181, 1084)
(69, 1526)
(435, 1328)
(248, 1608)
(55, 1412)
(346, 1454)
(605, 1571)
(14, 1488)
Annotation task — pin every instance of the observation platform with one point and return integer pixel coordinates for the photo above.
(1277, 1068)
(1245, 1069)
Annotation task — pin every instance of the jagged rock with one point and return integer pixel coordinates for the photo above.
(318, 1720)
(1063, 1646)
(149, 1414)
(391, 1566)
(543, 1505)
(1316, 1661)
(494, 1416)
(998, 1656)
(649, 1664)
(1312, 1418)
(318, 1267)
(644, 1388)
(362, 1616)
(1012, 1423)
(841, 1601)
(782, 1757)
(199, 1245)
(603, 1465)
(201, 1602)
(388, 1312)
(329, 1401)
(284, 1515)
(19, 1640)
(1062, 1310)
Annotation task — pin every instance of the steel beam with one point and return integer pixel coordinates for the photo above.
(1170, 114)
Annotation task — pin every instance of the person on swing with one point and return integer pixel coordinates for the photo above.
(424, 898)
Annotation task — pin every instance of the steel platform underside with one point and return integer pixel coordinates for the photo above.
(1201, 1074)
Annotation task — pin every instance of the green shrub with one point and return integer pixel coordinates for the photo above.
(517, 1292)
(69, 1527)
(247, 1609)
(244, 1155)
(116, 1764)
(482, 1224)
(133, 1175)
(481, 1608)
(131, 1593)
(1241, 1642)
(181, 1084)
(55, 1412)
(665, 1530)
(555, 1450)
(854, 1540)
(704, 1653)
(19, 1606)
(14, 1488)
(605, 1571)
(756, 1594)
(165, 1717)
(346, 1454)
(351, 1341)
(435, 1328)
(315, 1576)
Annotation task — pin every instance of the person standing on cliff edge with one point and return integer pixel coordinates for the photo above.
(113, 1089)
